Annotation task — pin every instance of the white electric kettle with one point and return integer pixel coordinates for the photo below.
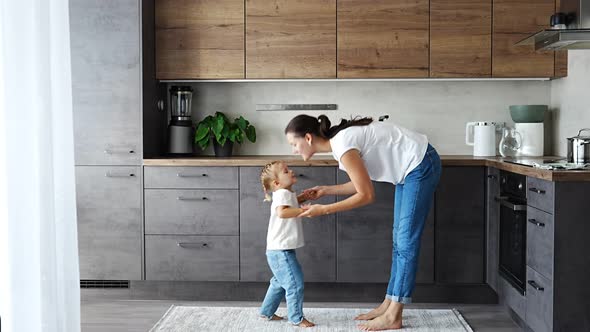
(482, 136)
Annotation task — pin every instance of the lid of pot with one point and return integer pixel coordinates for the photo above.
(580, 136)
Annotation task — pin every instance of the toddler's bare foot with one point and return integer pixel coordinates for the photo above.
(305, 323)
(383, 322)
(375, 312)
(275, 317)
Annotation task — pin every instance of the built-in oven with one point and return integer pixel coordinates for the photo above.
(512, 258)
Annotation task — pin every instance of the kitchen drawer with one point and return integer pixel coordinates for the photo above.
(192, 258)
(540, 194)
(539, 301)
(191, 212)
(539, 240)
(191, 177)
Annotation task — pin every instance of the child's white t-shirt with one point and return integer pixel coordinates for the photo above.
(284, 233)
(389, 152)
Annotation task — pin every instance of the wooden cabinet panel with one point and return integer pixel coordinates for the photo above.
(199, 39)
(560, 56)
(460, 38)
(514, 20)
(291, 39)
(382, 38)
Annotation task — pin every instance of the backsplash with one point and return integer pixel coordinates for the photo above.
(438, 109)
(571, 101)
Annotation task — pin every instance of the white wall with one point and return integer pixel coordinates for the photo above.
(439, 109)
(570, 100)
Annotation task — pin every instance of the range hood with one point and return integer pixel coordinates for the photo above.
(570, 29)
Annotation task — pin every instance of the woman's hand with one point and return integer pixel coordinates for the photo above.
(314, 193)
(310, 211)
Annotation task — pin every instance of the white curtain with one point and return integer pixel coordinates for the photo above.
(39, 278)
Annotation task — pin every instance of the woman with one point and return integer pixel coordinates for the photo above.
(384, 152)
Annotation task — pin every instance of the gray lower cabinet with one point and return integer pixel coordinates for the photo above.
(106, 85)
(492, 226)
(192, 258)
(191, 226)
(460, 226)
(109, 222)
(539, 301)
(364, 240)
(317, 257)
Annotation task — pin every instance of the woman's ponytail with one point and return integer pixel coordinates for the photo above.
(321, 126)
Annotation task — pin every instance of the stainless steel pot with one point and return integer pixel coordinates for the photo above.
(578, 148)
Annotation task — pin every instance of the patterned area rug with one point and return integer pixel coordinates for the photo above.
(187, 318)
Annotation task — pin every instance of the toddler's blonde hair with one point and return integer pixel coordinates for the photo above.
(267, 176)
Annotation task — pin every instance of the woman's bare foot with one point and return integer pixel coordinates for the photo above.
(390, 320)
(375, 312)
(305, 323)
(383, 322)
(275, 317)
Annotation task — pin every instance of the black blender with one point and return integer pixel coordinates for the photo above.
(180, 129)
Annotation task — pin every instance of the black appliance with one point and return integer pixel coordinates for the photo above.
(512, 262)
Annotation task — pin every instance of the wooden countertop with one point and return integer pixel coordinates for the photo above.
(327, 160)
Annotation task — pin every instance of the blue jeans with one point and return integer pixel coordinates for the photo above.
(287, 281)
(411, 208)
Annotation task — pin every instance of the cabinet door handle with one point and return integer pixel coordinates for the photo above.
(535, 286)
(538, 191)
(491, 176)
(110, 151)
(192, 244)
(535, 222)
(113, 175)
(181, 198)
(180, 175)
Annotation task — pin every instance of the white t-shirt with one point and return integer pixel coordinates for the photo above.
(284, 233)
(390, 152)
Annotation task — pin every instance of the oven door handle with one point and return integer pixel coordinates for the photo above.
(512, 206)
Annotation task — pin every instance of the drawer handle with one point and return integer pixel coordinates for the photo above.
(192, 245)
(180, 198)
(535, 222)
(500, 198)
(180, 175)
(535, 286)
(109, 151)
(491, 176)
(538, 191)
(112, 175)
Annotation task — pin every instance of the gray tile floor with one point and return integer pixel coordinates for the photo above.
(117, 315)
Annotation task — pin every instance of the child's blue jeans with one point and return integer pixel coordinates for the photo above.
(412, 205)
(287, 281)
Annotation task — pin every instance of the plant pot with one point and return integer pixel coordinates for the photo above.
(223, 150)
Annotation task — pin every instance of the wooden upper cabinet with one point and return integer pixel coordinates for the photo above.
(199, 39)
(291, 39)
(383, 38)
(560, 56)
(460, 38)
(515, 20)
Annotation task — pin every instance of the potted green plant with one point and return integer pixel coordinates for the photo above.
(223, 132)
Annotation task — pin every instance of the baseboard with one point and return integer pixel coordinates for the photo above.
(314, 292)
